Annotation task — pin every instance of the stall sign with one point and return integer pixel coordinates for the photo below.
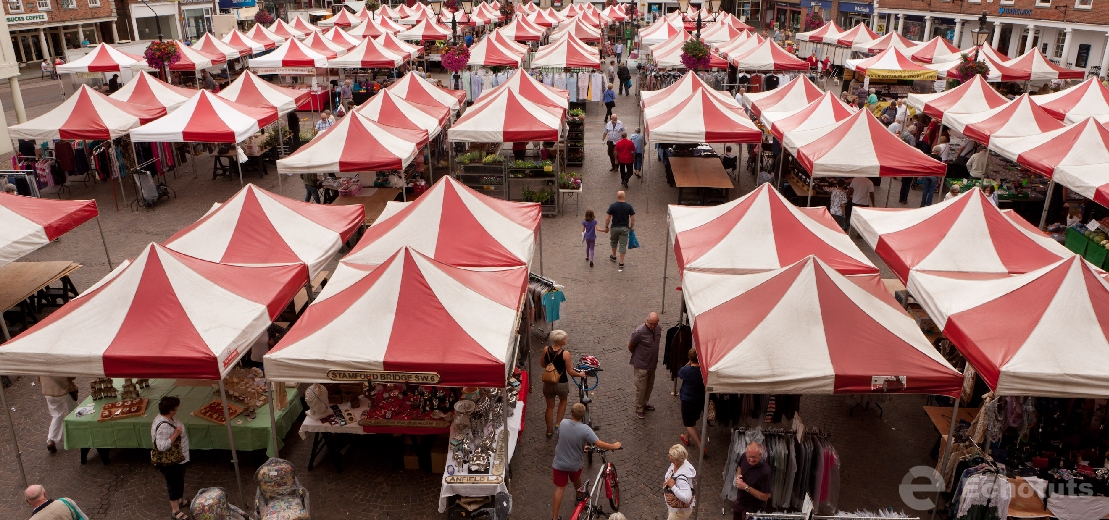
(422, 378)
(285, 71)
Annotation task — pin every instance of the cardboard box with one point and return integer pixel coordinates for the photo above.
(411, 461)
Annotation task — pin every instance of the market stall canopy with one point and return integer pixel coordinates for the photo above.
(979, 53)
(30, 223)
(454, 225)
(447, 17)
(426, 31)
(949, 69)
(519, 29)
(819, 35)
(719, 33)
(236, 39)
(417, 17)
(301, 24)
(826, 110)
(758, 232)
(519, 48)
(798, 93)
(1059, 346)
(966, 234)
(367, 55)
(890, 64)
(250, 90)
(290, 54)
(411, 87)
(411, 314)
(542, 18)
(256, 227)
(703, 118)
(398, 46)
(858, 34)
(614, 13)
(859, 146)
(483, 18)
(658, 101)
(568, 51)
(164, 314)
(971, 97)
(488, 53)
(390, 109)
(730, 19)
(806, 329)
(390, 25)
(343, 19)
(583, 31)
(592, 19)
(768, 56)
(507, 116)
(1081, 147)
(740, 45)
(190, 59)
(891, 39)
(284, 30)
(1034, 66)
(103, 58)
(147, 90)
(659, 32)
(206, 118)
(340, 37)
(355, 144)
(671, 58)
(87, 114)
(325, 47)
(674, 42)
(369, 29)
(211, 45)
(1018, 118)
(936, 49)
(262, 35)
(1071, 105)
(528, 88)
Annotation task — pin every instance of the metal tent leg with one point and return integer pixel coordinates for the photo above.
(947, 451)
(231, 440)
(273, 422)
(11, 425)
(665, 265)
(704, 442)
(105, 242)
(1047, 204)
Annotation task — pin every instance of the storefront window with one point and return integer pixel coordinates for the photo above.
(147, 27)
(914, 31)
(197, 22)
(750, 11)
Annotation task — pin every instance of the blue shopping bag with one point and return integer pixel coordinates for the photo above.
(633, 242)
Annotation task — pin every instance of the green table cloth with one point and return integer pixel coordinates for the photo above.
(134, 432)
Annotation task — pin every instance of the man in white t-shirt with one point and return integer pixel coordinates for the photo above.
(859, 193)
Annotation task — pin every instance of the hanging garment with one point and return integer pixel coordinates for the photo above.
(560, 80)
(467, 86)
(583, 86)
(486, 80)
(475, 85)
(572, 87)
(596, 89)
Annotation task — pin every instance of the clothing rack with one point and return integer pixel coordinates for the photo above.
(28, 177)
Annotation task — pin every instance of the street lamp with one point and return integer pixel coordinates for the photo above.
(158, 25)
(980, 34)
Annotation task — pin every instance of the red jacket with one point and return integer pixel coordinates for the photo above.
(625, 151)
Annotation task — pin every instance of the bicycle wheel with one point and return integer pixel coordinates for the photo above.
(612, 487)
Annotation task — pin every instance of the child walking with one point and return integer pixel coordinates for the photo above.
(589, 234)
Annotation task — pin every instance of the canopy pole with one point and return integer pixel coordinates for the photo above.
(122, 189)
(1047, 203)
(812, 180)
(273, 422)
(11, 423)
(231, 439)
(105, 243)
(540, 244)
(781, 162)
(239, 165)
(704, 441)
(947, 451)
(665, 265)
(647, 179)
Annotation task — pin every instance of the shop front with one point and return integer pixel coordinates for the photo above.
(196, 17)
(914, 28)
(161, 17)
(816, 13)
(852, 14)
(787, 16)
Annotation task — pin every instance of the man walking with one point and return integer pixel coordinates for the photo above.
(61, 398)
(637, 164)
(644, 348)
(613, 129)
(622, 217)
(50, 509)
(625, 156)
(619, 50)
(573, 437)
(752, 482)
(610, 100)
(624, 74)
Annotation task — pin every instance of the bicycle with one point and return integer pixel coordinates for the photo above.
(588, 507)
(590, 367)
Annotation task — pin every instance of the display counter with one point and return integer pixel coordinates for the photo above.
(700, 180)
(456, 481)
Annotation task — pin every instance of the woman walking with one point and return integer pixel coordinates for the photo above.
(171, 453)
(558, 356)
(677, 487)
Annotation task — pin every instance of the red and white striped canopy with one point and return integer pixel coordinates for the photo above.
(193, 59)
(411, 314)
(579, 28)
(1033, 66)
(446, 17)
(398, 46)
(236, 39)
(411, 87)
(593, 19)
(519, 29)
(147, 90)
(508, 116)
(971, 97)
(390, 109)
(890, 64)
(356, 144)
(891, 39)
(670, 56)
(768, 56)
(103, 58)
(966, 234)
(675, 42)
(936, 49)
(854, 338)
(819, 35)
(323, 46)
(526, 7)
(256, 227)
(211, 45)
(87, 114)
(528, 88)
(859, 146)
(660, 31)
(1018, 118)
(945, 69)
(745, 42)
(487, 11)
(301, 24)
(30, 223)
(391, 25)
(825, 111)
(658, 101)
(369, 29)
(1082, 150)
(488, 53)
(162, 315)
(454, 225)
(206, 118)
(614, 13)
(417, 17)
(292, 53)
(730, 19)
(368, 55)
(262, 35)
(757, 232)
(1089, 98)
(568, 51)
(250, 90)
(425, 31)
(1058, 348)
(483, 18)
(284, 30)
(343, 19)
(520, 48)
(703, 118)
(796, 94)
(341, 38)
(979, 53)
(855, 35)
(721, 33)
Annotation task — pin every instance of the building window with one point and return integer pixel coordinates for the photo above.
(43, 5)
(69, 4)
(94, 3)
(1060, 40)
(15, 6)
(1043, 3)
(1008, 2)
(1083, 4)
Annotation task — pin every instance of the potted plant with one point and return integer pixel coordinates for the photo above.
(695, 54)
(569, 181)
(161, 55)
(575, 115)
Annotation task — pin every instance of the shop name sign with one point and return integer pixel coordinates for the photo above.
(422, 378)
(25, 18)
(1013, 11)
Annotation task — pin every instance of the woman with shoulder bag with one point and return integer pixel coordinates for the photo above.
(170, 453)
(677, 488)
(556, 369)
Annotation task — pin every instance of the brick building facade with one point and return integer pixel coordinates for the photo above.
(48, 27)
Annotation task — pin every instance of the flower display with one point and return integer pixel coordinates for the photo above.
(161, 54)
(968, 68)
(695, 54)
(263, 17)
(455, 58)
(569, 181)
(451, 5)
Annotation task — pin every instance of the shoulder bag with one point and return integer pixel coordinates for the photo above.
(550, 373)
(174, 455)
(72, 509)
(672, 499)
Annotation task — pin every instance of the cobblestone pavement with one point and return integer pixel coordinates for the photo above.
(602, 308)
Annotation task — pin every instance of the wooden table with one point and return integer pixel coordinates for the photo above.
(703, 175)
(373, 199)
(23, 280)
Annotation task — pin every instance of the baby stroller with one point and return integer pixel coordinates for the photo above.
(211, 504)
(280, 495)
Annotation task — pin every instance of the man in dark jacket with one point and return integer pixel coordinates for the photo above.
(625, 76)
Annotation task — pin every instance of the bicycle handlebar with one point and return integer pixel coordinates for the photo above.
(594, 448)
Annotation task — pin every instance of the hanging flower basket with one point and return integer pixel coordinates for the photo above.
(263, 17)
(968, 68)
(373, 6)
(451, 5)
(695, 54)
(161, 54)
(455, 58)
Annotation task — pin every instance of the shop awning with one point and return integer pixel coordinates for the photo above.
(145, 89)
(30, 223)
(412, 87)
(355, 144)
(206, 118)
(103, 58)
(796, 94)
(702, 118)
(859, 146)
(1089, 98)
(890, 64)
(826, 110)
(971, 97)
(1017, 118)
(390, 109)
(250, 90)
(87, 114)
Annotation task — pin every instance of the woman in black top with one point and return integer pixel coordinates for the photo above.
(557, 354)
